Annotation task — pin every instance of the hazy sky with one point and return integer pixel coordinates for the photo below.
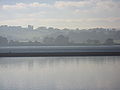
(61, 13)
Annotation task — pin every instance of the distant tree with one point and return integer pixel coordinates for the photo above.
(48, 40)
(89, 41)
(36, 43)
(3, 41)
(11, 41)
(109, 41)
(62, 40)
(96, 41)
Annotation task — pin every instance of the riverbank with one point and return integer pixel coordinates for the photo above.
(60, 54)
(33, 51)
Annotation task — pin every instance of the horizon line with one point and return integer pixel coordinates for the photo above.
(26, 26)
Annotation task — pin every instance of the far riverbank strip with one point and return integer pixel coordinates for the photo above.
(39, 51)
(60, 54)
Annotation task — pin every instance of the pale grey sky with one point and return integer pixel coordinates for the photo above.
(61, 13)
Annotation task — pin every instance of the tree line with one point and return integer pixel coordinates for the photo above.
(58, 41)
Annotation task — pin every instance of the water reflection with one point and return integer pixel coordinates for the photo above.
(60, 73)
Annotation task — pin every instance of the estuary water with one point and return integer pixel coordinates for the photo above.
(60, 73)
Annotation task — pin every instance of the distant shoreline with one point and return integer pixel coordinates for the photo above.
(59, 54)
(60, 51)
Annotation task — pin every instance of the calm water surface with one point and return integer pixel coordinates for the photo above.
(60, 73)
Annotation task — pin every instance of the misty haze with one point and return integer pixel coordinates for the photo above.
(59, 44)
(27, 36)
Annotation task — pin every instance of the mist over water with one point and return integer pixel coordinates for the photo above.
(60, 73)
